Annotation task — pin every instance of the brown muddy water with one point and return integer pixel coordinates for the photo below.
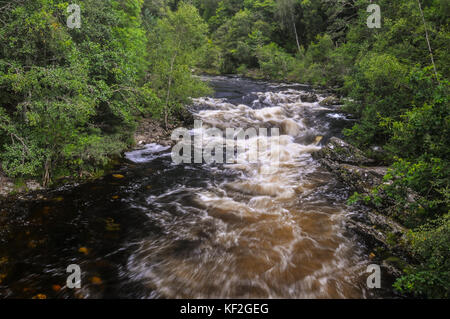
(154, 229)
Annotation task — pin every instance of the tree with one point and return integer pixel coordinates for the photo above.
(285, 11)
(69, 97)
(428, 40)
(175, 41)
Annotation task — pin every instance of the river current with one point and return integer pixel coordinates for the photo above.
(154, 229)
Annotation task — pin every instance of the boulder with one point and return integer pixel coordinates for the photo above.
(343, 153)
(384, 236)
(33, 185)
(378, 229)
(361, 179)
(350, 165)
(330, 101)
(309, 98)
(6, 185)
(372, 224)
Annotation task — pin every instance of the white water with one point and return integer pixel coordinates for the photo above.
(274, 231)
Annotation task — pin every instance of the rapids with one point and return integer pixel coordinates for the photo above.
(154, 229)
(272, 230)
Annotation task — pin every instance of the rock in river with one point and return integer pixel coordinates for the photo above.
(309, 98)
(330, 101)
(374, 226)
(341, 152)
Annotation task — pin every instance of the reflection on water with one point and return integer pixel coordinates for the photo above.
(155, 229)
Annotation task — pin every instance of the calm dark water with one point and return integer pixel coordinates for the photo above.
(152, 229)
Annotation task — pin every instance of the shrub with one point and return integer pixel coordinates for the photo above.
(274, 62)
(431, 245)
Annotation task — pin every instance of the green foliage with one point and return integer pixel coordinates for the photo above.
(419, 141)
(386, 73)
(235, 41)
(211, 60)
(377, 83)
(321, 64)
(273, 61)
(425, 129)
(431, 245)
(62, 87)
(176, 41)
(419, 189)
(71, 97)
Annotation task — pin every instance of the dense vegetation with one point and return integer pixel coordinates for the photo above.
(397, 89)
(70, 98)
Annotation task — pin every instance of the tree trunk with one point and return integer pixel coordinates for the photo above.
(428, 41)
(46, 177)
(166, 107)
(296, 36)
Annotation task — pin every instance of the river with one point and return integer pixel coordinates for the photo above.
(153, 229)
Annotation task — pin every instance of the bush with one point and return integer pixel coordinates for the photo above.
(69, 97)
(430, 245)
(274, 62)
(377, 85)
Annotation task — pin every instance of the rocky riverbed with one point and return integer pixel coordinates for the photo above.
(149, 131)
(254, 230)
(382, 234)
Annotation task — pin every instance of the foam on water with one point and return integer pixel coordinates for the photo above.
(148, 153)
(268, 233)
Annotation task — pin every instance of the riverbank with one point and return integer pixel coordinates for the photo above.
(385, 237)
(347, 163)
(283, 232)
(148, 131)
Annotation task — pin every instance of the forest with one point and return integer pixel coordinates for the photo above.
(71, 98)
